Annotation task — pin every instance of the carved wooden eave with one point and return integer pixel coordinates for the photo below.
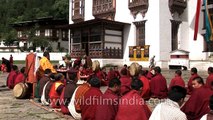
(77, 18)
(138, 6)
(177, 6)
(104, 10)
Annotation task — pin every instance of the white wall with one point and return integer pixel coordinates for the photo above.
(22, 55)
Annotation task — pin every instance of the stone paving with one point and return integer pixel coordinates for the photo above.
(14, 109)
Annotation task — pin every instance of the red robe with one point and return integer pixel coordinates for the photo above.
(30, 67)
(135, 110)
(20, 78)
(89, 103)
(198, 103)
(108, 110)
(149, 75)
(146, 88)
(100, 76)
(11, 79)
(158, 86)
(190, 88)
(125, 84)
(111, 75)
(209, 79)
(177, 80)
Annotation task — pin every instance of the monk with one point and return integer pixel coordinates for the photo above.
(193, 75)
(45, 64)
(20, 77)
(68, 90)
(209, 79)
(125, 81)
(197, 104)
(91, 99)
(56, 90)
(170, 108)
(30, 72)
(111, 74)
(117, 74)
(12, 76)
(158, 85)
(135, 110)
(145, 94)
(7, 63)
(109, 107)
(43, 81)
(177, 80)
(97, 73)
(11, 60)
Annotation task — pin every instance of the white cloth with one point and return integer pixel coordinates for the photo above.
(204, 117)
(37, 64)
(43, 99)
(71, 107)
(168, 110)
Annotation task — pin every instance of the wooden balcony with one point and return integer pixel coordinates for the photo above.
(136, 6)
(78, 18)
(177, 6)
(104, 10)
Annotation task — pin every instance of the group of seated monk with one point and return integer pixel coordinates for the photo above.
(86, 101)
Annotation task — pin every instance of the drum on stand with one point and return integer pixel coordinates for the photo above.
(21, 90)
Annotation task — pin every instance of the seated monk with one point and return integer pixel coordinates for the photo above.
(197, 104)
(12, 76)
(125, 81)
(146, 93)
(177, 80)
(88, 110)
(137, 110)
(20, 77)
(56, 90)
(68, 90)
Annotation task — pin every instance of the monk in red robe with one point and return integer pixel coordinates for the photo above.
(193, 75)
(177, 80)
(117, 74)
(20, 77)
(43, 81)
(146, 93)
(135, 110)
(197, 104)
(111, 74)
(91, 99)
(108, 110)
(125, 81)
(56, 91)
(209, 79)
(30, 72)
(12, 76)
(158, 85)
(150, 74)
(68, 90)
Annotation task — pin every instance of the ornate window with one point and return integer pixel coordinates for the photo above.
(37, 33)
(137, 6)
(48, 32)
(174, 30)
(104, 9)
(140, 33)
(77, 10)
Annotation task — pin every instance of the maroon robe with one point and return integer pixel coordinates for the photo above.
(66, 96)
(197, 104)
(20, 78)
(209, 80)
(42, 83)
(117, 74)
(146, 88)
(111, 74)
(11, 79)
(100, 76)
(107, 110)
(190, 88)
(177, 80)
(89, 103)
(158, 87)
(149, 75)
(125, 84)
(136, 110)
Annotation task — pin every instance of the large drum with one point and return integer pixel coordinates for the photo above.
(21, 90)
(95, 65)
(134, 69)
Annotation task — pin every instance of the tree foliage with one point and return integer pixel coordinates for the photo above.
(12, 11)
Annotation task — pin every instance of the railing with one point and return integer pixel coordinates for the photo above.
(103, 8)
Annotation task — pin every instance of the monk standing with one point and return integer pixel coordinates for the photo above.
(197, 104)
